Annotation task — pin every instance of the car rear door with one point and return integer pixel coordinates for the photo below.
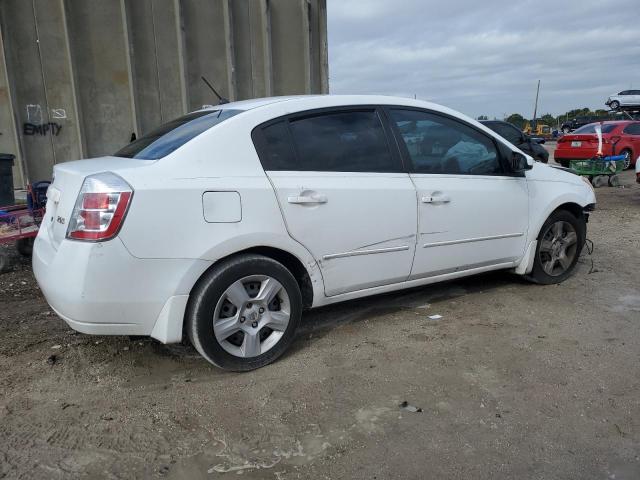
(343, 194)
(471, 214)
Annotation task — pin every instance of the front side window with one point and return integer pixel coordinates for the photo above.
(437, 144)
(172, 135)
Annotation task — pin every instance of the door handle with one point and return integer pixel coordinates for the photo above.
(436, 199)
(307, 199)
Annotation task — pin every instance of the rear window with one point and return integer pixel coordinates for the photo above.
(591, 128)
(172, 135)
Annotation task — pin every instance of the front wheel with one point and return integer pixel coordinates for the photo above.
(244, 313)
(627, 158)
(559, 245)
(614, 105)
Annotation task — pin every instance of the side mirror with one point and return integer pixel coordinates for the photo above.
(520, 162)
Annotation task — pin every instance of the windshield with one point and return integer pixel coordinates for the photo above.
(591, 128)
(172, 135)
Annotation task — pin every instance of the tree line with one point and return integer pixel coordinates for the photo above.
(548, 119)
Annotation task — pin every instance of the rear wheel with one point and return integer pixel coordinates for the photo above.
(559, 245)
(5, 263)
(244, 312)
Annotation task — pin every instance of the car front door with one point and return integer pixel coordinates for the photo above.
(471, 213)
(343, 193)
(632, 135)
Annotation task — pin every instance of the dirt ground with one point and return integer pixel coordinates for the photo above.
(514, 381)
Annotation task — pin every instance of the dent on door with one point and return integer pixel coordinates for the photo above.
(360, 228)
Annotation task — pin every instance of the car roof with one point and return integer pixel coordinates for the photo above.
(251, 103)
(303, 102)
(263, 108)
(615, 122)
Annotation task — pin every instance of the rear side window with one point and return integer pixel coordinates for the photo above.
(633, 129)
(345, 141)
(591, 128)
(277, 150)
(172, 135)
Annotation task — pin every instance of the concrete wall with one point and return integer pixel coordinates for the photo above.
(78, 77)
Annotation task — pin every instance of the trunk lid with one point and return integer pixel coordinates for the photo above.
(63, 191)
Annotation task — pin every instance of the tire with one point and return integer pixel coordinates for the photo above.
(227, 297)
(614, 181)
(566, 130)
(599, 181)
(5, 263)
(615, 105)
(25, 246)
(627, 161)
(546, 248)
(543, 159)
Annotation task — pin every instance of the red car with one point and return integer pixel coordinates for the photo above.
(618, 138)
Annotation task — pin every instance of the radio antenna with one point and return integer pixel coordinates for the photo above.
(221, 99)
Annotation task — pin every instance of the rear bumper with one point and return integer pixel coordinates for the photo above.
(101, 289)
(576, 153)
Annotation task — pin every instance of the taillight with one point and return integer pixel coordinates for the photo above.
(100, 208)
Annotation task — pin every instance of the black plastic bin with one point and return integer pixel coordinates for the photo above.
(6, 179)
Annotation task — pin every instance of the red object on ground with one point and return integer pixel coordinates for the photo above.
(19, 222)
(618, 137)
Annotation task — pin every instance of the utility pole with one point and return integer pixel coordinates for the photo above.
(535, 110)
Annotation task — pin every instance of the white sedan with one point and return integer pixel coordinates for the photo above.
(225, 224)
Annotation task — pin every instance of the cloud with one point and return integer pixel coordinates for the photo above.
(485, 57)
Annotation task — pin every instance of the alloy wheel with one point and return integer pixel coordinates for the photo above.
(558, 248)
(251, 316)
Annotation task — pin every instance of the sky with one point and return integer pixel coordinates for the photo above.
(485, 57)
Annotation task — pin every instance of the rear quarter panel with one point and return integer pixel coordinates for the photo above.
(166, 218)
